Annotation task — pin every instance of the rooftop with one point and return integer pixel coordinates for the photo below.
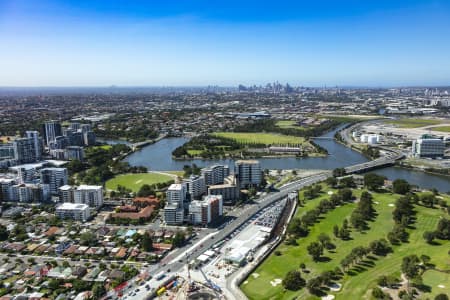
(70, 206)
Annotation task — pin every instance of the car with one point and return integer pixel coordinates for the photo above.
(168, 270)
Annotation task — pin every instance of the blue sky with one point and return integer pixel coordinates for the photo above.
(155, 43)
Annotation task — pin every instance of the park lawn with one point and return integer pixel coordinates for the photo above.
(441, 128)
(135, 181)
(104, 147)
(261, 138)
(414, 123)
(358, 285)
(193, 152)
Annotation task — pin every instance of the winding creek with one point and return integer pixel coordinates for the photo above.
(158, 157)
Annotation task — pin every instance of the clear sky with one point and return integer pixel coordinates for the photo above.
(202, 42)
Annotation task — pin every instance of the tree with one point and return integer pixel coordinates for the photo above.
(339, 172)
(347, 182)
(325, 241)
(331, 181)
(429, 236)
(441, 297)
(3, 233)
(428, 199)
(443, 229)
(293, 281)
(315, 249)
(410, 266)
(297, 228)
(178, 239)
(98, 290)
(146, 242)
(380, 247)
(373, 181)
(145, 191)
(88, 239)
(401, 186)
(336, 230)
(313, 285)
(378, 293)
(344, 233)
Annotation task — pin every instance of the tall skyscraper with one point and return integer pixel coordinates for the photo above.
(51, 130)
(248, 173)
(24, 150)
(37, 141)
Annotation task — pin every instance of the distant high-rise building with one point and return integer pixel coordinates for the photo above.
(85, 128)
(174, 209)
(51, 130)
(24, 150)
(89, 138)
(195, 186)
(6, 151)
(37, 142)
(215, 174)
(248, 173)
(91, 195)
(206, 211)
(74, 153)
(55, 178)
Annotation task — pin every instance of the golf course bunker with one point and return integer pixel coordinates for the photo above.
(391, 204)
(328, 297)
(255, 275)
(276, 282)
(441, 286)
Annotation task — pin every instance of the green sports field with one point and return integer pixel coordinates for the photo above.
(135, 181)
(357, 286)
(414, 123)
(261, 138)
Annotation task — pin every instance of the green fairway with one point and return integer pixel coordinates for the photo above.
(288, 124)
(438, 281)
(135, 181)
(258, 285)
(261, 138)
(414, 123)
(441, 128)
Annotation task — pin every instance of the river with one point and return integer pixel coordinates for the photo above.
(158, 157)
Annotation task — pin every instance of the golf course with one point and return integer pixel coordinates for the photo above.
(358, 281)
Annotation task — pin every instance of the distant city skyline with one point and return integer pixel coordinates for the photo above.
(198, 43)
